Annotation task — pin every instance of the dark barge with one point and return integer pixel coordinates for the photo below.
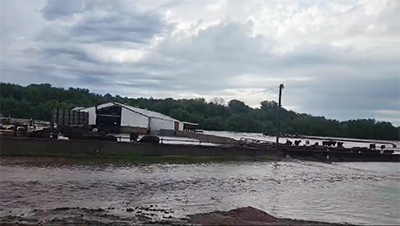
(25, 146)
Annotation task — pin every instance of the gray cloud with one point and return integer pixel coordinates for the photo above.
(338, 59)
(102, 20)
(137, 28)
(65, 54)
(55, 10)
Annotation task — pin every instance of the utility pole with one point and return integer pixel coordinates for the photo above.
(279, 114)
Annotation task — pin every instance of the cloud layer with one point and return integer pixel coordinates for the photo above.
(340, 59)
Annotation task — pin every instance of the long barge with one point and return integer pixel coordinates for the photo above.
(23, 146)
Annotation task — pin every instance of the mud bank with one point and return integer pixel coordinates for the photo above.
(148, 215)
(140, 215)
(248, 216)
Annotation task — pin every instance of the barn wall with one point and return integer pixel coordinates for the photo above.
(92, 115)
(129, 118)
(133, 119)
(92, 112)
(157, 124)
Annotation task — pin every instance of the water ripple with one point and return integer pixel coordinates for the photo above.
(349, 192)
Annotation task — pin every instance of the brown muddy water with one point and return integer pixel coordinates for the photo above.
(358, 193)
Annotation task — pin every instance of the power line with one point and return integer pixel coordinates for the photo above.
(262, 91)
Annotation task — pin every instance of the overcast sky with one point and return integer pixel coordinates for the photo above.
(336, 58)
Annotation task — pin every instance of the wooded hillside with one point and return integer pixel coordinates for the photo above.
(35, 101)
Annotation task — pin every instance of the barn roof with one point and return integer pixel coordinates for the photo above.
(77, 108)
(150, 114)
(191, 123)
(147, 113)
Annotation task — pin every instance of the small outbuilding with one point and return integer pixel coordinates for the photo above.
(120, 118)
(190, 126)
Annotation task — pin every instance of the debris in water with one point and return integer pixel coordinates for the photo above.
(129, 210)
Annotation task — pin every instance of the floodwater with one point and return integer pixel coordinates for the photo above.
(359, 193)
(347, 143)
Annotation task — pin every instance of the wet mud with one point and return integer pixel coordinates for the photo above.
(139, 215)
(149, 215)
(248, 216)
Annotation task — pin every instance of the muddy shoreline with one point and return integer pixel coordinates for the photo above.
(149, 215)
(248, 216)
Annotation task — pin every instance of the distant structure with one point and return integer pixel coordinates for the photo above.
(115, 117)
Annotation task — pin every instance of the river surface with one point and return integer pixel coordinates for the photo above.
(359, 193)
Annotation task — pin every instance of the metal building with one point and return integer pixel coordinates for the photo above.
(120, 118)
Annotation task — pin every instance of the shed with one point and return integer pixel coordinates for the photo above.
(190, 126)
(120, 118)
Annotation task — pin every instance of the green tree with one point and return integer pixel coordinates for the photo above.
(36, 100)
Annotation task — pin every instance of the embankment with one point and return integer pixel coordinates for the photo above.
(12, 146)
(248, 216)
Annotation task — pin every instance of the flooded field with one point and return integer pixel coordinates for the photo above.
(347, 143)
(358, 193)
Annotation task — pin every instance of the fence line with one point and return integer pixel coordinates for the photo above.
(120, 138)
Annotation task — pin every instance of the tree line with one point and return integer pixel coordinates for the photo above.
(36, 100)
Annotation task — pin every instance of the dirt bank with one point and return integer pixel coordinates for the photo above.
(151, 215)
(247, 216)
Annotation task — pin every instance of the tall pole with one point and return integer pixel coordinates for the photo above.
(279, 114)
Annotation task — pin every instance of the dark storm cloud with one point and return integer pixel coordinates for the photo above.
(139, 29)
(104, 20)
(60, 49)
(55, 10)
(63, 54)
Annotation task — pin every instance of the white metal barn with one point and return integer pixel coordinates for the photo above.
(122, 118)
